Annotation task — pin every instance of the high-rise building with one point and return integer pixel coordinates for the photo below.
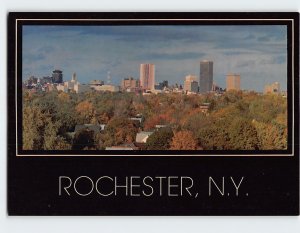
(273, 88)
(233, 82)
(57, 76)
(147, 76)
(206, 76)
(69, 85)
(190, 83)
(129, 84)
(191, 78)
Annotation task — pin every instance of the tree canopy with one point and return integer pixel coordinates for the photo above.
(234, 121)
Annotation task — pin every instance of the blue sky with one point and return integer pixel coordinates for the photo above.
(257, 52)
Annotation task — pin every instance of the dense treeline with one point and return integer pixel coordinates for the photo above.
(234, 121)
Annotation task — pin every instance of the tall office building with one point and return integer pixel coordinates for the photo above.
(191, 78)
(190, 83)
(57, 76)
(147, 76)
(233, 82)
(129, 83)
(206, 76)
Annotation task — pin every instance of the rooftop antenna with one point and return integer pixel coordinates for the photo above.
(108, 77)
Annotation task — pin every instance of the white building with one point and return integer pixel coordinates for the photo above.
(73, 85)
(190, 84)
(80, 88)
(107, 87)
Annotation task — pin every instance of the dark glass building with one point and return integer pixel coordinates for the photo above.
(206, 76)
(57, 76)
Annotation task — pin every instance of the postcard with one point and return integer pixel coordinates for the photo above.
(153, 113)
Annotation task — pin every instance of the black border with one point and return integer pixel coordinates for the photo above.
(272, 181)
(160, 19)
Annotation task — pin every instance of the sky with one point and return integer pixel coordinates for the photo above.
(257, 52)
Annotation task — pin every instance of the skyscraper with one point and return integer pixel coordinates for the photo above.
(206, 76)
(57, 76)
(190, 83)
(129, 83)
(147, 76)
(233, 82)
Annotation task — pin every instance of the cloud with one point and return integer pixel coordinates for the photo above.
(263, 38)
(247, 63)
(34, 57)
(92, 51)
(172, 56)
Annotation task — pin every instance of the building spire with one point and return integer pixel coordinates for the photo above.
(74, 78)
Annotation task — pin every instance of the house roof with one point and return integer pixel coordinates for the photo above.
(142, 135)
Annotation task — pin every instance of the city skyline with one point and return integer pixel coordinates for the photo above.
(258, 53)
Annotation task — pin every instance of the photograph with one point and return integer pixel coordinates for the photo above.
(154, 87)
(160, 85)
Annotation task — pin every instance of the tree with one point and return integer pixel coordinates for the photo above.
(160, 139)
(63, 97)
(214, 136)
(271, 136)
(33, 128)
(118, 130)
(236, 120)
(243, 135)
(86, 111)
(41, 131)
(151, 122)
(195, 121)
(184, 140)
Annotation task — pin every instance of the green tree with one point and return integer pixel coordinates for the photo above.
(271, 136)
(160, 139)
(33, 128)
(243, 135)
(118, 130)
(214, 136)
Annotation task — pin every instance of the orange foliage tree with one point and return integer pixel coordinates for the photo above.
(86, 110)
(184, 140)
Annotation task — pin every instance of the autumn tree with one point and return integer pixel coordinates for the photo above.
(63, 97)
(86, 111)
(236, 120)
(184, 140)
(118, 131)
